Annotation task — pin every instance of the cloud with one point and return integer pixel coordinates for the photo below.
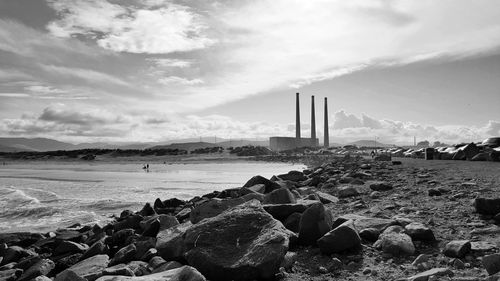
(85, 74)
(64, 115)
(168, 63)
(161, 28)
(179, 80)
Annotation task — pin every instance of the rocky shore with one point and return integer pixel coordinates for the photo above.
(349, 218)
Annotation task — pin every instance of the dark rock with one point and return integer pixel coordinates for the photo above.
(380, 186)
(152, 228)
(90, 269)
(259, 188)
(342, 238)
(434, 192)
(158, 204)
(369, 234)
(132, 221)
(315, 222)
(10, 274)
(149, 254)
(147, 210)
(15, 253)
(326, 198)
(143, 244)
(457, 248)
(492, 263)
(487, 206)
(212, 208)
(22, 239)
(282, 211)
(98, 248)
(123, 255)
(269, 185)
(185, 273)
(167, 266)
(280, 196)
(69, 275)
(155, 262)
(173, 203)
(347, 191)
(182, 215)
(68, 247)
(483, 156)
(43, 267)
(66, 261)
(243, 243)
(419, 232)
(470, 151)
(293, 176)
(293, 222)
(139, 268)
(119, 269)
(362, 222)
(120, 238)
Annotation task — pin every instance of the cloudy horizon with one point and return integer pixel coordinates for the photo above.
(157, 70)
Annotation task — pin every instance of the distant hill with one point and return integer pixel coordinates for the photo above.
(370, 143)
(35, 144)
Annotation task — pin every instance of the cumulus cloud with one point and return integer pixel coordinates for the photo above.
(160, 28)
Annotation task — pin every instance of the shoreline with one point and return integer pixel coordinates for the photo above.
(378, 206)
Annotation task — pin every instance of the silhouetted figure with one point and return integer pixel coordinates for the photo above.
(373, 153)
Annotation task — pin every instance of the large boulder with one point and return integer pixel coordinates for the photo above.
(90, 269)
(169, 242)
(68, 247)
(243, 243)
(492, 263)
(487, 206)
(470, 150)
(280, 196)
(185, 273)
(342, 238)
(282, 211)
(269, 185)
(419, 232)
(457, 248)
(315, 222)
(43, 267)
(215, 206)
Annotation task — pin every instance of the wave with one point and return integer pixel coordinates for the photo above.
(15, 197)
(33, 213)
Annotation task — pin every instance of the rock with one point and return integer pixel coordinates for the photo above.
(185, 273)
(480, 247)
(139, 268)
(269, 185)
(492, 263)
(10, 274)
(347, 191)
(342, 238)
(124, 255)
(152, 228)
(458, 264)
(121, 237)
(90, 268)
(66, 262)
(68, 247)
(154, 262)
(293, 222)
(424, 276)
(42, 278)
(149, 254)
(147, 210)
(69, 275)
(362, 222)
(380, 186)
(293, 176)
(434, 192)
(167, 266)
(169, 242)
(422, 258)
(483, 156)
(98, 248)
(336, 264)
(280, 196)
(282, 211)
(43, 267)
(315, 222)
(143, 245)
(119, 269)
(419, 232)
(15, 253)
(395, 242)
(243, 243)
(470, 150)
(326, 198)
(487, 206)
(212, 208)
(131, 221)
(289, 259)
(457, 248)
(369, 234)
(259, 188)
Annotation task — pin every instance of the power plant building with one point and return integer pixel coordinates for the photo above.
(287, 143)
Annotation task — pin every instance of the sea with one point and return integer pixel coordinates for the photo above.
(44, 196)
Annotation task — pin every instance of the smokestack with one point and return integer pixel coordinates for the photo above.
(326, 141)
(313, 119)
(297, 117)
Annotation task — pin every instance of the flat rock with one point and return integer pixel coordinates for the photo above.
(362, 222)
(342, 238)
(243, 243)
(282, 211)
(326, 198)
(419, 232)
(185, 273)
(90, 268)
(424, 276)
(380, 186)
(212, 208)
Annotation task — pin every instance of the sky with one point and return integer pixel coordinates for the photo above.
(157, 70)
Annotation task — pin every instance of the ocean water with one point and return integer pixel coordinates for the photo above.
(42, 196)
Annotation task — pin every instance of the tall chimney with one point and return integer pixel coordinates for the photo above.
(326, 141)
(297, 117)
(313, 120)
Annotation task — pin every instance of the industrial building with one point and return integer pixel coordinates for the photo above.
(286, 143)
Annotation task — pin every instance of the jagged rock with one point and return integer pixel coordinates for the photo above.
(280, 196)
(147, 210)
(149, 254)
(457, 248)
(269, 185)
(483, 156)
(394, 241)
(90, 268)
(66, 261)
(347, 191)
(293, 176)
(215, 206)
(143, 244)
(259, 188)
(424, 276)
(380, 186)
(98, 248)
(10, 274)
(342, 238)
(15, 253)
(22, 239)
(282, 211)
(155, 262)
(369, 234)
(185, 273)
(169, 242)
(487, 206)
(362, 222)
(152, 228)
(293, 222)
(419, 232)
(121, 237)
(43, 267)
(315, 222)
(132, 221)
(242, 243)
(139, 268)
(66, 247)
(434, 192)
(492, 263)
(123, 255)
